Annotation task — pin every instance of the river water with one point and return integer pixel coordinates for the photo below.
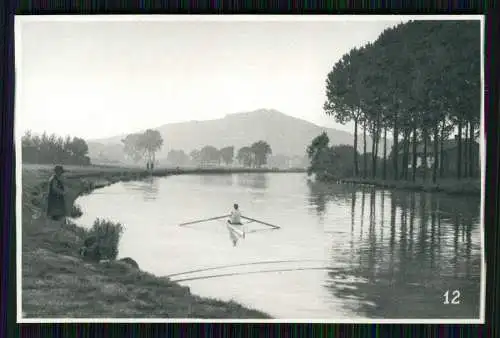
(343, 251)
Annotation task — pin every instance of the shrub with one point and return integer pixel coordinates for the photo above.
(76, 211)
(102, 240)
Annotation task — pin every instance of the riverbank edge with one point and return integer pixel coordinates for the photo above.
(205, 307)
(450, 187)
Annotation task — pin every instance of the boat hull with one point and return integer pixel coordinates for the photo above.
(236, 230)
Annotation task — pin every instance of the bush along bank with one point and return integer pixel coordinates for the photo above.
(59, 283)
(452, 187)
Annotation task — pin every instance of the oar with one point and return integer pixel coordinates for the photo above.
(203, 220)
(257, 221)
(259, 230)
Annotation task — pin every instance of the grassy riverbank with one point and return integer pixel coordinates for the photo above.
(448, 186)
(57, 283)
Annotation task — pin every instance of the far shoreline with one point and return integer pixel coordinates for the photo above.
(452, 187)
(114, 174)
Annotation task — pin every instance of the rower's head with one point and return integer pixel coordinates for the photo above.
(235, 206)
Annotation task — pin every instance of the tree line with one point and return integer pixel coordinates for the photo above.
(281, 161)
(329, 161)
(142, 147)
(51, 149)
(419, 82)
(255, 155)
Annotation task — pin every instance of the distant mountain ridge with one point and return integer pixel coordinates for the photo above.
(285, 134)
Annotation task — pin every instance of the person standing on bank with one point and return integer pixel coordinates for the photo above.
(56, 204)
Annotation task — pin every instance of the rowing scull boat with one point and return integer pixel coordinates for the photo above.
(236, 229)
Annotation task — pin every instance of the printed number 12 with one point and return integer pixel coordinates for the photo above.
(455, 297)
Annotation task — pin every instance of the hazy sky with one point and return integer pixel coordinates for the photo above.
(101, 78)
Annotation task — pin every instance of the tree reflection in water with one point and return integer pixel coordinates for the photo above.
(254, 181)
(217, 179)
(433, 246)
(149, 187)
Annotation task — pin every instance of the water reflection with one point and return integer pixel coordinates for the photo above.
(217, 180)
(319, 201)
(321, 194)
(428, 251)
(254, 181)
(149, 187)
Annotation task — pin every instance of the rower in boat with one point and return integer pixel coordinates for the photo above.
(234, 223)
(235, 220)
(235, 216)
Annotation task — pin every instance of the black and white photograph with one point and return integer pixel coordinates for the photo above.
(254, 168)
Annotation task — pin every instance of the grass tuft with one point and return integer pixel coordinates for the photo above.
(102, 239)
(76, 211)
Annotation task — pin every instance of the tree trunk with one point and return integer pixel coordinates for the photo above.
(466, 151)
(473, 160)
(414, 155)
(374, 142)
(384, 174)
(378, 130)
(436, 152)
(459, 151)
(406, 157)
(395, 146)
(441, 152)
(424, 157)
(356, 168)
(364, 149)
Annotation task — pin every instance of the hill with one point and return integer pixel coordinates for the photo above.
(285, 134)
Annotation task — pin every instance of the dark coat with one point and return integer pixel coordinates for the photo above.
(56, 206)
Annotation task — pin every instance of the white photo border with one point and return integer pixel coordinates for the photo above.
(20, 19)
